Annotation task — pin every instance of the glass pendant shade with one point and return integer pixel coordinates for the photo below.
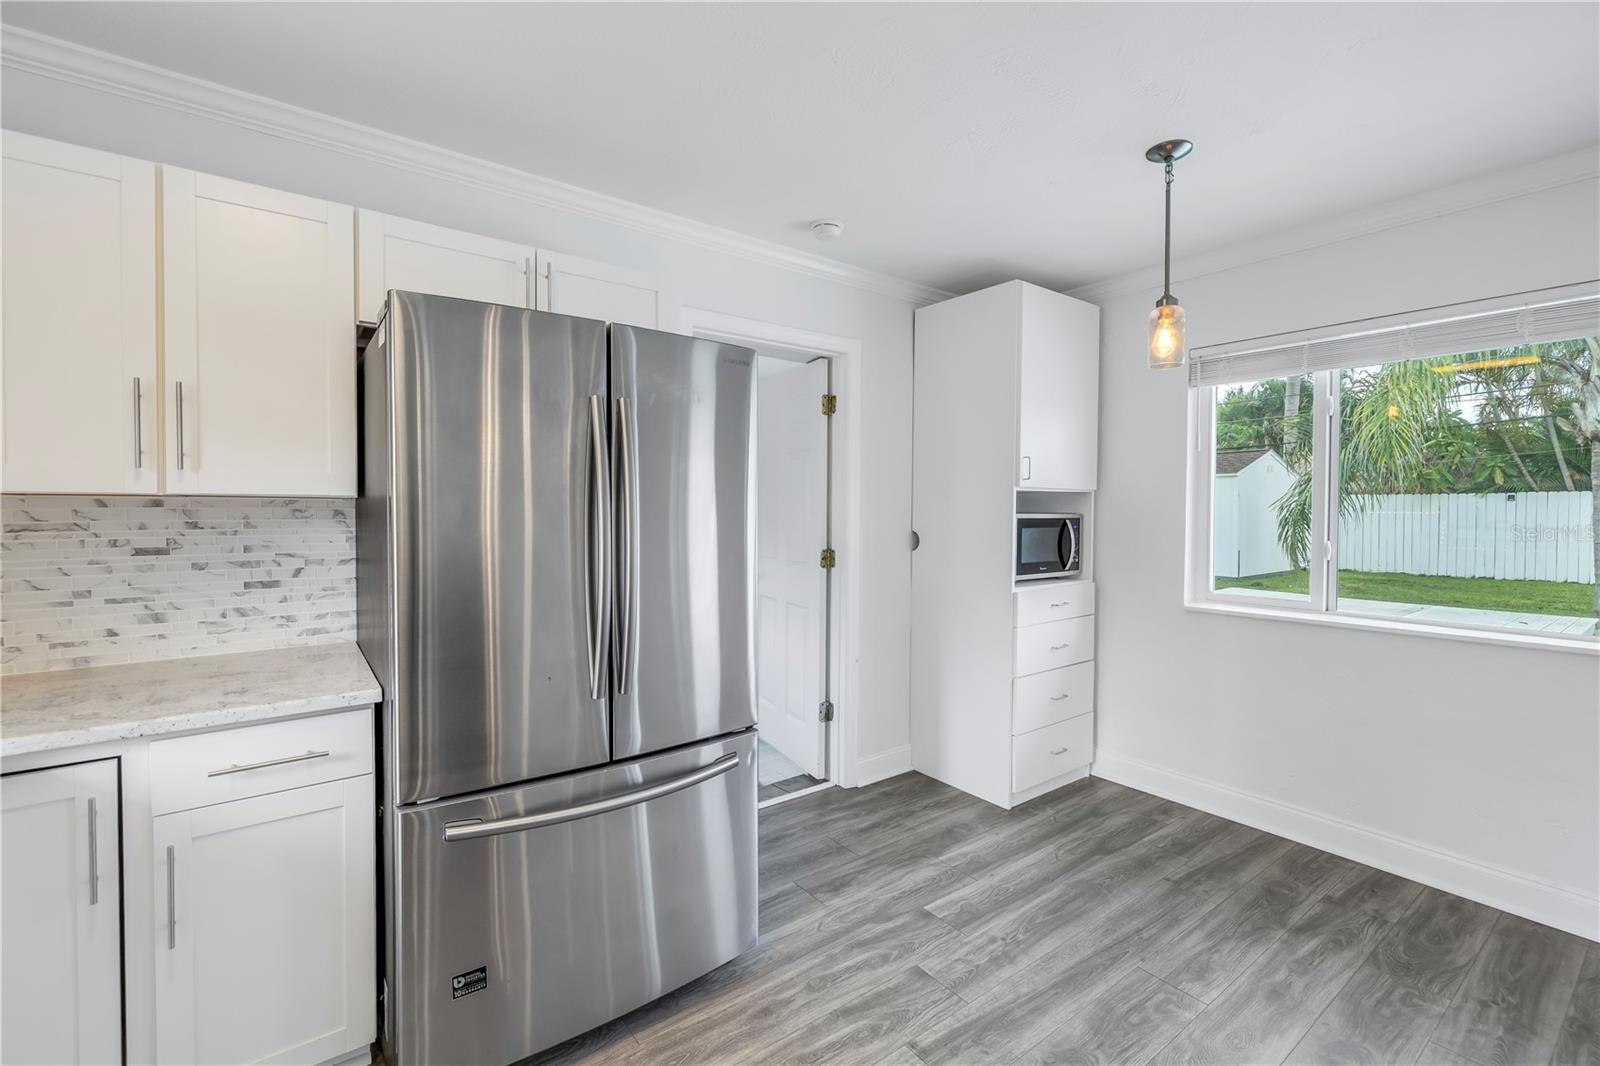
(1169, 343)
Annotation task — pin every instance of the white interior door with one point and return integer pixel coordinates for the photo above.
(791, 531)
(62, 980)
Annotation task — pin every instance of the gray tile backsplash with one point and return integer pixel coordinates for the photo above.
(91, 580)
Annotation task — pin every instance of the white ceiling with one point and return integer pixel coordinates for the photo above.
(961, 144)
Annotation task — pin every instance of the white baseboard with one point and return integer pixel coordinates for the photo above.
(885, 764)
(1491, 885)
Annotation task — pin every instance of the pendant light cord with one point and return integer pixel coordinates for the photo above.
(1166, 258)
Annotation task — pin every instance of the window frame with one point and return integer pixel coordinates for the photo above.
(1322, 608)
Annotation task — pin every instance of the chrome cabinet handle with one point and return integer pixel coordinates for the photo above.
(1063, 603)
(138, 427)
(94, 851)
(1058, 699)
(1027, 468)
(172, 898)
(286, 760)
(180, 424)
(1057, 751)
(471, 830)
(599, 601)
(626, 622)
(1058, 647)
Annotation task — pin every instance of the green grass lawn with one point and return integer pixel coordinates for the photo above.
(1530, 597)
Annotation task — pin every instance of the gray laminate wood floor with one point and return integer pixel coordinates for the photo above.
(908, 923)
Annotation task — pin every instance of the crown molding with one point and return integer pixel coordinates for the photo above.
(74, 64)
(1582, 165)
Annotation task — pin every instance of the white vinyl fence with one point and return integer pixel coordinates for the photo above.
(1544, 536)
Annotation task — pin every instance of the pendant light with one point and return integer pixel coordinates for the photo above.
(1169, 343)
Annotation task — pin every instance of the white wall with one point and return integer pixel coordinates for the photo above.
(1472, 766)
(697, 278)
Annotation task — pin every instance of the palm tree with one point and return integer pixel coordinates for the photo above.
(1392, 416)
(1577, 361)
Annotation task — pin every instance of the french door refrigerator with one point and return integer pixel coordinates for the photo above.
(553, 586)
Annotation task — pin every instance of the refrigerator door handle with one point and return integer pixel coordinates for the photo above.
(472, 830)
(627, 616)
(599, 600)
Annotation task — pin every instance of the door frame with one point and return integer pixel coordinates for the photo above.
(845, 497)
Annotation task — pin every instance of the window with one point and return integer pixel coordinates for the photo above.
(1263, 449)
(1438, 470)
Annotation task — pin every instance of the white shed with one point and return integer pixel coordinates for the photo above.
(1244, 537)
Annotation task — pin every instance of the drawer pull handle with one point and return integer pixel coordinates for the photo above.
(1063, 603)
(1058, 751)
(471, 828)
(1058, 647)
(270, 762)
(1058, 699)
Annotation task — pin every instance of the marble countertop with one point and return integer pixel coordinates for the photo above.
(68, 708)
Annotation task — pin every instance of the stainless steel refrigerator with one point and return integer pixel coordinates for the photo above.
(553, 584)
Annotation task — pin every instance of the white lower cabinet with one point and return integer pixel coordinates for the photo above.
(265, 927)
(61, 898)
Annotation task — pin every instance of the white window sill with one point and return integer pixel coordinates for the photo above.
(1506, 638)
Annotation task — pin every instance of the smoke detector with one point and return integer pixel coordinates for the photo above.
(827, 229)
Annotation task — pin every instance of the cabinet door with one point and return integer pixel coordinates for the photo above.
(586, 289)
(61, 900)
(1059, 394)
(265, 927)
(396, 253)
(79, 232)
(260, 340)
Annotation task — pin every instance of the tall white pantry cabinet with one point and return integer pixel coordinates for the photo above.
(1006, 387)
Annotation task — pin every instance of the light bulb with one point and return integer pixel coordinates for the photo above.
(1168, 342)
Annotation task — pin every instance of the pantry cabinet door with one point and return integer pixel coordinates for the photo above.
(584, 288)
(1058, 402)
(260, 340)
(79, 314)
(61, 899)
(397, 253)
(265, 929)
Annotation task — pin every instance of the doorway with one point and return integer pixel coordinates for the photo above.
(840, 678)
(793, 571)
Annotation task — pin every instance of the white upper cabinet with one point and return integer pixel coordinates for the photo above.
(62, 903)
(79, 312)
(260, 340)
(397, 253)
(583, 288)
(1058, 391)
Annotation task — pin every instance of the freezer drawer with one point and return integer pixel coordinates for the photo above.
(514, 936)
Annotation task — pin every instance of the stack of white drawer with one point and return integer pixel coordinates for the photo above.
(1052, 694)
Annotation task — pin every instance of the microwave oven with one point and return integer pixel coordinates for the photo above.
(1049, 546)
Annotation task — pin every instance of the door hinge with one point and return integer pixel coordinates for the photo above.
(825, 711)
(827, 558)
(830, 404)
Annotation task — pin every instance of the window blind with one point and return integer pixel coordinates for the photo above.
(1500, 322)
